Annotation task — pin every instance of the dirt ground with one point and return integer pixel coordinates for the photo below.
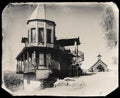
(99, 84)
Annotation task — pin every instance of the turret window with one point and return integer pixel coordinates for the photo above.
(33, 35)
(49, 40)
(40, 35)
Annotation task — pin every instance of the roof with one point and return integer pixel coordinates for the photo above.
(99, 61)
(99, 55)
(30, 49)
(39, 13)
(41, 49)
(68, 42)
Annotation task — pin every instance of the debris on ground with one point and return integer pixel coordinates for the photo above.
(72, 82)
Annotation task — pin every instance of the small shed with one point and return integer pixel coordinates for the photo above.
(99, 66)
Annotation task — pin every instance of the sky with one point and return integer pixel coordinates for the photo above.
(72, 20)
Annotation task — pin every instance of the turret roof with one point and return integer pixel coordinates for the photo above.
(39, 13)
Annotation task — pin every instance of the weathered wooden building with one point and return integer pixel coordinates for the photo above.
(43, 53)
(99, 66)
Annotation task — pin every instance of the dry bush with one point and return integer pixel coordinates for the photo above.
(12, 81)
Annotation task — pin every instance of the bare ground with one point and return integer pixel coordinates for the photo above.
(99, 84)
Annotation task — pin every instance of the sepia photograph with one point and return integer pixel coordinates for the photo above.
(60, 49)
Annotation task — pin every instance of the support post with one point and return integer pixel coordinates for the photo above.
(77, 54)
(21, 64)
(37, 33)
(17, 66)
(28, 60)
(45, 35)
(29, 36)
(34, 59)
(76, 50)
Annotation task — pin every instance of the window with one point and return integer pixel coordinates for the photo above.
(48, 35)
(40, 35)
(41, 59)
(33, 35)
(48, 60)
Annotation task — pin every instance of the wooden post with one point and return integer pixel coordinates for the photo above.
(77, 54)
(23, 69)
(28, 60)
(45, 59)
(29, 36)
(77, 60)
(52, 38)
(45, 35)
(77, 70)
(37, 33)
(34, 58)
(45, 29)
(17, 66)
(20, 64)
(23, 62)
(23, 81)
(75, 43)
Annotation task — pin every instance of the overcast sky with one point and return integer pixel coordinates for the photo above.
(72, 20)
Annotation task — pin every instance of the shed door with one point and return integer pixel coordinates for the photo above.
(100, 68)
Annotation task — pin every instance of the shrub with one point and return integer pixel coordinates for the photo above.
(12, 81)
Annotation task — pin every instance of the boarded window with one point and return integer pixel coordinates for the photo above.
(41, 59)
(41, 35)
(49, 40)
(33, 35)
